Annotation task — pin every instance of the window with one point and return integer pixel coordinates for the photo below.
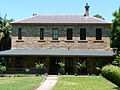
(41, 33)
(20, 62)
(69, 33)
(19, 33)
(98, 34)
(83, 34)
(55, 34)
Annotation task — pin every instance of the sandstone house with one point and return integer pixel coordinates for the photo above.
(51, 39)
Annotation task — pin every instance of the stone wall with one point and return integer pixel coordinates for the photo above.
(31, 39)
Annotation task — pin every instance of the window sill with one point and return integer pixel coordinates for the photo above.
(82, 41)
(55, 41)
(41, 40)
(19, 40)
(69, 41)
(98, 41)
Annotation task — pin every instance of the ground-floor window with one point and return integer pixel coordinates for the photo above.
(20, 62)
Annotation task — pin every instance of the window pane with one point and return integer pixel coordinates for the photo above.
(98, 34)
(69, 33)
(55, 34)
(19, 33)
(83, 34)
(41, 33)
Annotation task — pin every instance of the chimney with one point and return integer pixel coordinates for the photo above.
(87, 10)
(34, 14)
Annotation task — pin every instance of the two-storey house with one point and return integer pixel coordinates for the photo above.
(51, 39)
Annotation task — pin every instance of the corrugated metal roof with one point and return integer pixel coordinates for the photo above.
(51, 52)
(59, 19)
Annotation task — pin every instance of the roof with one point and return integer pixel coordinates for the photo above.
(51, 52)
(61, 19)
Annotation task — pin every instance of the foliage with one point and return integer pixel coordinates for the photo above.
(80, 66)
(117, 61)
(27, 70)
(112, 73)
(61, 67)
(83, 83)
(99, 16)
(98, 68)
(5, 33)
(2, 69)
(40, 67)
(5, 28)
(115, 31)
(61, 64)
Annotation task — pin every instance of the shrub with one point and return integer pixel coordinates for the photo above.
(61, 67)
(80, 66)
(40, 67)
(112, 73)
(2, 69)
(27, 70)
(117, 61)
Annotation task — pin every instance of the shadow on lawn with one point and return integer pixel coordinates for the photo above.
(116, 88)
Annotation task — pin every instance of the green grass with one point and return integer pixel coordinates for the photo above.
(84, 83)
(19, 83)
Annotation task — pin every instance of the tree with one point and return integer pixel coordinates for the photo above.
(99, 16)
(115, 31)
(5, 33)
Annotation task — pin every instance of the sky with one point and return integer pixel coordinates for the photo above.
(20, 9)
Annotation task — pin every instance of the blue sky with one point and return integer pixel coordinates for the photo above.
(19, 9)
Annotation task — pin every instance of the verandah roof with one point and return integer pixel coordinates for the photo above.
(52, 52)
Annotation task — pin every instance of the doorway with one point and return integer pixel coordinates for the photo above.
(69, 65)
(54, 67)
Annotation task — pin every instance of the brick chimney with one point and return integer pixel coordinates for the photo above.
(87, 10)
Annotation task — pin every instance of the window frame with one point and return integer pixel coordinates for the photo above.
(82, 34)
(20, 33)
(41, 33)
(70, 34)
(55, 33)
(98, 33)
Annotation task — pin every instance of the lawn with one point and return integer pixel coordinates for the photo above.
(84, 83)
(19, 83)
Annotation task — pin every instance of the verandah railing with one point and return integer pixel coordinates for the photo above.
(22, 71)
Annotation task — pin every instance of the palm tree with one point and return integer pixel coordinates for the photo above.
(5, 33)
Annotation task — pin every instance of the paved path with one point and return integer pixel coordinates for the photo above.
(48, 83)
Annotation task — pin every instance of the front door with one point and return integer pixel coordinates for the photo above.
(54, 67)
(69, 65)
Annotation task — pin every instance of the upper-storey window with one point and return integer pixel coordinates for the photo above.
(69, 33)
(98, 34)
(41, 33)
(19, 33)
(82, 33)
(55, 33)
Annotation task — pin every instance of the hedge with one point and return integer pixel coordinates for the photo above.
(112, 73)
